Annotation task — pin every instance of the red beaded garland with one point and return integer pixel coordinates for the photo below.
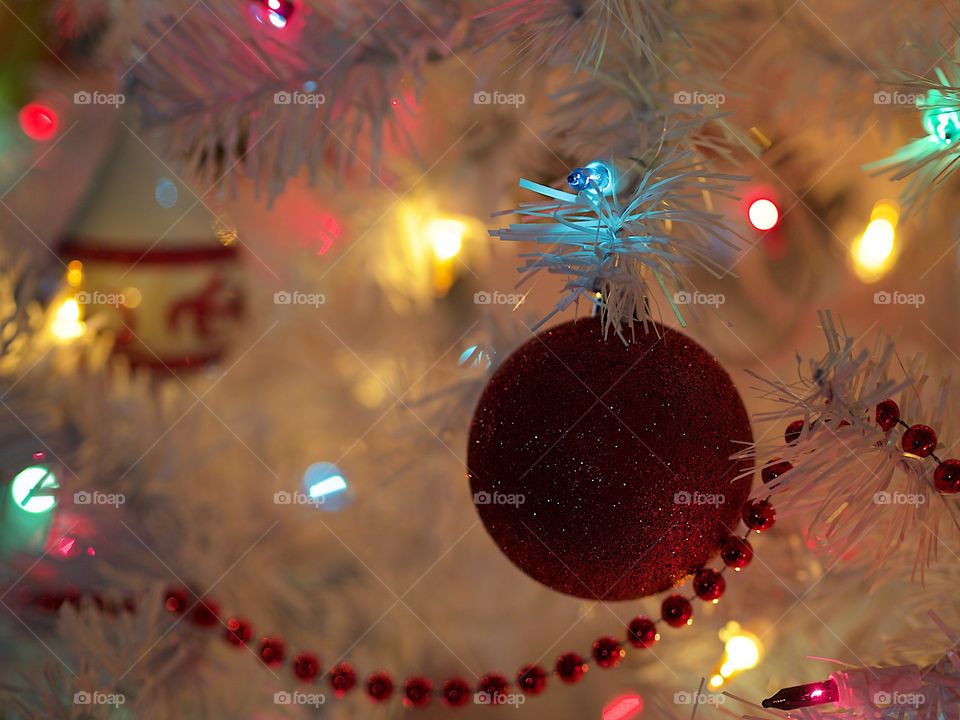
(494, 686)
(607, 652)
(455, 692)
(759, 515)
(416, 692)
(677, 611)
(205, 613)
(736, 552)
(947, 477)
(571, 667)
(306, 666)
(709, 584)
(888, 415)
(793, 431)
(919, 440)
(342, 678)
(176, 600)
(379, 687)
(774, 471)
(642, 632)
(271, 650)
(239, 631)
(532, 679)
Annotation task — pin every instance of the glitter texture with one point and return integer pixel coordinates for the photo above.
(603, 470)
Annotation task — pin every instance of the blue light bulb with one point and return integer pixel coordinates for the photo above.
(595, 176)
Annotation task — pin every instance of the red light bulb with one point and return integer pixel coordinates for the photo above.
(763, 214)
(623, 707)
(39, 122)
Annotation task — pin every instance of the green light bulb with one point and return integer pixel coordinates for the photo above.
(31, 489)
(940, 120)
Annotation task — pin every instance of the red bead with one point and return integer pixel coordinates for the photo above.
(608, 652)
(793, 432)
(271, 650)
(455, 692)
(947, 477)
(775, 470)
(38, 121)
(176, 600)
(532, 679)
(342, 678)
(205, 613)
(759, 515)
(379, 687)
(495, 687)
(571, 667)
(709, 584)
(642, 632)
(238, 631)
(676, 611)
(888, 415)
(736, 552)
(919, 440)
(306, 666)
(416, 692)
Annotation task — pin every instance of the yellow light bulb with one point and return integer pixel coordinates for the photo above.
(66, 323)
(716, 681)
(873, 252)
(446, 236)
(743, 652)
(75, 273)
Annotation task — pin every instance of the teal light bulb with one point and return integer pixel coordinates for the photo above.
(940, 120)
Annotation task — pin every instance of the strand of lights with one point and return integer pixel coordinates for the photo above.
(873, 253)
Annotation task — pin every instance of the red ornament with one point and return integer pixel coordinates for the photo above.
(558, 476)
(494, 687)
(607, 652)
(306, 666)
(239, 631)
(677, 611)
(759, 515)
(919, 440)
(793, 432)
(532, 679)
(709, 584)
(416, 692)
(642, 632)
(571, 667)
(38, 121)
(206, 613)
(455, 692)
(379, 687)
(176, 600)
(736, 552)
(774, 471)
(271, 650)
(342, 678)
(947, 477)
(888, 415)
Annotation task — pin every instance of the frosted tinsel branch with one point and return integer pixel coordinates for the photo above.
(607, 244)
(866, 498)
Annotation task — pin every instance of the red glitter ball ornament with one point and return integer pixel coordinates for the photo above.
(455, 692)
(919, 440)
(532, 679)
(642, 632)
(947, 477)
(888, 415)
(676, 611)
(571, 667)
(709, 584)
(306, 666)
(271, 650)
(607, 652)
(239, 631)
(584, 453)
(736, 552)
(379, 687)
(759, 515)
(416, 692)
(342, 678)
